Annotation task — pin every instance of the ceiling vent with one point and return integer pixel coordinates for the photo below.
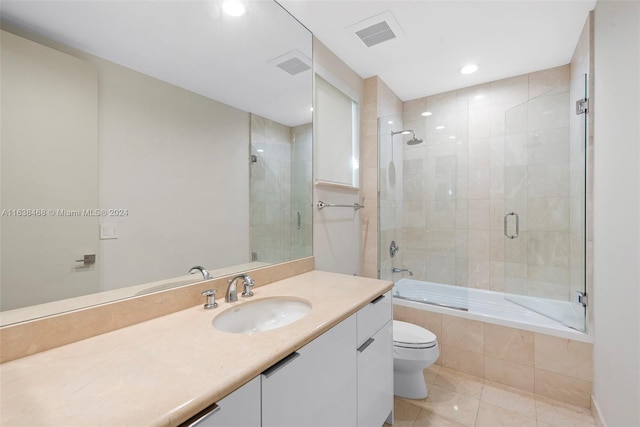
(375, 34)
(293, 66)
(377, 29)
(294, 62)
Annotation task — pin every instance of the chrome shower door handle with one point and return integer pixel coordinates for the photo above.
(506, 216)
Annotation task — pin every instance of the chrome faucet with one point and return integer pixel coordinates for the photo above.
(205, 273)
(400, 270)
(232, 293)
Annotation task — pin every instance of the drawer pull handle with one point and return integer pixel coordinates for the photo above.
(281, 364)
(377, 300)
(366, 344)
(200, 416)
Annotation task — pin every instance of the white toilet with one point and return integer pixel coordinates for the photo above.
(414, 349)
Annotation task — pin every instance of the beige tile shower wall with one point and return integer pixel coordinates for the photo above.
(379, 101)
(493, 141)
(554, 367)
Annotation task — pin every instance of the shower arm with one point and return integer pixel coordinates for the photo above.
(413, 141)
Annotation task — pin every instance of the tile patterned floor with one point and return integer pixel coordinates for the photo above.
(457, 399)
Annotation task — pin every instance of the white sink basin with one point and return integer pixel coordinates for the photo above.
(261, 315)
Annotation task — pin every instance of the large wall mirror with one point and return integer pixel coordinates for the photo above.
(142, 138)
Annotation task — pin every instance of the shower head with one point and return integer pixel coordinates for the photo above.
(413, 140)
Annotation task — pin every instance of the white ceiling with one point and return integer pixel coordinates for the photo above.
(507, 38)
(191, 45)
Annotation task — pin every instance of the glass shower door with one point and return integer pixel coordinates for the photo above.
(544, 215)
(421, 207)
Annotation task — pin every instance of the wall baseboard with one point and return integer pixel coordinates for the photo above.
(596, 414)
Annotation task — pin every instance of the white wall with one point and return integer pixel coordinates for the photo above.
(337, 231)
(617, 212)
(165, 153)
(49, 144)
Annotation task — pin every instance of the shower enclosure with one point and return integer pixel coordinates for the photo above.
(281, 199)
(494, 198)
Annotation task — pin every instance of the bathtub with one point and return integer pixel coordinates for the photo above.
(491, 307)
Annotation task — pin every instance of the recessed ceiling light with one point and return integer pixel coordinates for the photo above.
(469, 68)
(452, 137)
(233, 8)
(478, 97)
(439, 127)
(427, 113)
(390, 122)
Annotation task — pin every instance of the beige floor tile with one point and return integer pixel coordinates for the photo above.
(509, 398)
(459, 382)
(429, 419)
(451, 405)
(561, 414)
(495, 416)
(404, 414)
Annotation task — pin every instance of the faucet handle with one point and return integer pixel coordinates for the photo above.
(248, 284)
(211, 299)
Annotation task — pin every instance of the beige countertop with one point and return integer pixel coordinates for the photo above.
(164, 370)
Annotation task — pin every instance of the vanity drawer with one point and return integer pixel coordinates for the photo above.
(374, 316)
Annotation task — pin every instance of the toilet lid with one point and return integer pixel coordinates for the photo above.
(409, 335)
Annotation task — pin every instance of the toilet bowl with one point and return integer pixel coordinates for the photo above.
(414, 349)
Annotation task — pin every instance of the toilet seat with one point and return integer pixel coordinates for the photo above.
(408, 335)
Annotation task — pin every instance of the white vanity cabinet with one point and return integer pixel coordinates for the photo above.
(343, 378)
(316, 385)
(240, 408)
(375, 362)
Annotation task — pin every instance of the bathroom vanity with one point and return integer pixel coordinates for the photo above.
(334, 366)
